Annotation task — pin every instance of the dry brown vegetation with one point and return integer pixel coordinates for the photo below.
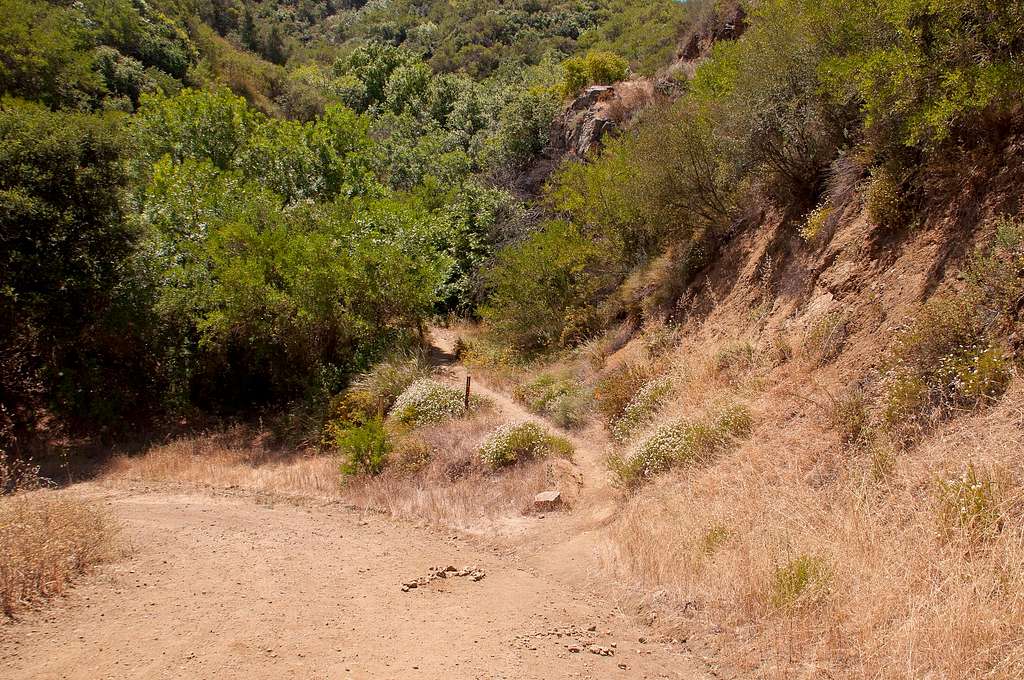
(912, 580)
(437, 475)
(238, 457)
(829, 544)
(434, 473)
(47, 539)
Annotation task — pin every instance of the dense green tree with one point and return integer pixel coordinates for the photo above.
(65, 259)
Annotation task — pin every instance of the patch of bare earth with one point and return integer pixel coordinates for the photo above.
(229, 586)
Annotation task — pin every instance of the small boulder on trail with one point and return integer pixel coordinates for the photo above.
(547, 500)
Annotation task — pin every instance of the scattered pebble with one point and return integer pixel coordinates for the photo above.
(435, 573)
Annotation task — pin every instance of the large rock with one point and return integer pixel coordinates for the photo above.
(579, 130)
(547, 500)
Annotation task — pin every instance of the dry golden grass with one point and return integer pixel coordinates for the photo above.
(450, 488)
(47, 539)
(236, 458)
(453, 487)
(901, 594)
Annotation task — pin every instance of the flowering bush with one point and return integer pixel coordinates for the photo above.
(428, 401)
(641, 407)
(514, 442)
(681, 443)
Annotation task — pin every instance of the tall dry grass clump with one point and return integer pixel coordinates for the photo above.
(239, 457)
(47, 538)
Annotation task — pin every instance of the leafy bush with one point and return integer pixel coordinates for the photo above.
(593, 68)
(543, 289)
(73, 302)
(803, 579)
(642, 407)
(513, 443)
(763, 93)
(926, 72)
(561, 399)
(682, 443)
(647, 33)
(429, 401)
(364, 448)
(675, 161)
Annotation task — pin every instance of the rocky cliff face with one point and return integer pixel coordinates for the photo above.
(578, 131)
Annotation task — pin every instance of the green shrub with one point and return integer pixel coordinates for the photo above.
(884, 199)
(764, 92)
(642, 407)
(364, 448)
(815, 222)
(802, 580)
(994, 276)
(513, 443)
(968, 506)
(429, 401)
(675, 160)
(682, 443)
(594, 68)
(943, 359)
(927, 72)
(544, 289)
(74, 302)
(561, 399)
(647, 33)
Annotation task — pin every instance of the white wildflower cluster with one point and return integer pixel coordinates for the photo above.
(657, 453)
(428, 401)
(513, 442)
(641, 407)
(684, 442)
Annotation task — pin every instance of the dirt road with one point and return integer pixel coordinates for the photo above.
(222, 586)
(233, 584)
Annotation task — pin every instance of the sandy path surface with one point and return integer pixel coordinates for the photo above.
(241, 585)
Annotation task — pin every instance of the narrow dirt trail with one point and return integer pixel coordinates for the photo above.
(234, 584)
(570, 546)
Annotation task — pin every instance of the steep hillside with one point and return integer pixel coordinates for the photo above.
(736, 286)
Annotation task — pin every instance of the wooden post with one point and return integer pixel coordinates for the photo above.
(468, 379)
